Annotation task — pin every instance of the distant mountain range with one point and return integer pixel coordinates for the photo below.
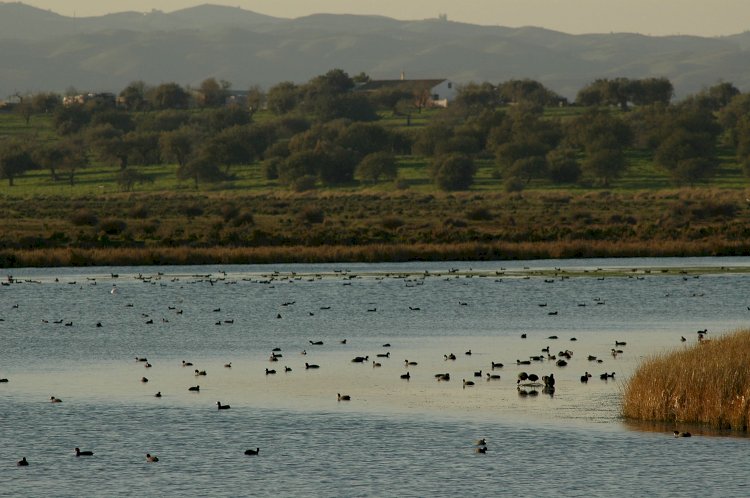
(44, 51)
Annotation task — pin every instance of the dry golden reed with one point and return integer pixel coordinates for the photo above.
(708, 383)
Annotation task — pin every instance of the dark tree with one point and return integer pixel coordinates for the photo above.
(377, 165)
(169, 96)
(178, 145)
(15, 160)
(133, 96)
(201, 169)
(283, 97)
(213, 93)
(453, 172)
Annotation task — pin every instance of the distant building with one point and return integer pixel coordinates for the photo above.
(428, 92)
(106, 98)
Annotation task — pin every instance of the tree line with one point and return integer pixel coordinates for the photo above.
(326, 132)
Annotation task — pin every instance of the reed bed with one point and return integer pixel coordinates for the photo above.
(708, 383)
(369, 253)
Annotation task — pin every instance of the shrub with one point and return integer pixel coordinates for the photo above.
(244, 219)
(312, 215)
(113, 226)
(514, 184)
(270, 168)
(392, 222)
(479, 214)
(229, 211)
(139, 211)
(192, 210)
(304, 183)
(84, 217)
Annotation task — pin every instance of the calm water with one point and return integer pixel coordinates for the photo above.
(396, 437)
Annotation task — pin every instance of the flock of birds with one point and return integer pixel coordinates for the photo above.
(527, 383)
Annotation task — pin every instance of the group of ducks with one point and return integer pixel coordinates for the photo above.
(79, 453)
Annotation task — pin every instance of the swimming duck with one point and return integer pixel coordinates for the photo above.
(481, 442)
(22, 462)
(344, 397)
(496, 365)
(468, 383)
(252, 452)
(481, 449)
(186, 363)
(492, 376)
(83, 453)
(311, 365)
(158, 395)
(406, 376)
(682, 434)
(194, 388)
(270, 372)
(151, 458)
(52, 399)
(222, 407)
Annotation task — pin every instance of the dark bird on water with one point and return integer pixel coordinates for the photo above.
(252, 452)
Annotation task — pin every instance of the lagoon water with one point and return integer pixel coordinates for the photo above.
(395, 437)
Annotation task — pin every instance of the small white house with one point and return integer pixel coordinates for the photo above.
(428, 92)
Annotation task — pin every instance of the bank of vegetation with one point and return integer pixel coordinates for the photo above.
(511, 170)
(708, 383)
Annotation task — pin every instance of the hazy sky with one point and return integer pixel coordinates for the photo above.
(657, 17)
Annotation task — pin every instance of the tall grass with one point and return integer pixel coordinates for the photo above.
(708, 383)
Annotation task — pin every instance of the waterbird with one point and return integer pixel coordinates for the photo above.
(682, 434)
(287, 369)
(228, 365)
(157, 395)
(252, 452)
(271, 372)
(186, 363)
(443, 376)
(585, 377)
(468, 383)
(533, 377)
(222, 407)
(496, 365)
(481, 449)
(316, 343)
(360, 359)
(468, 353)
(620, 343)
(481, 442)
(311, 365)
(384, 355)
(199, 372)
(449, 356)
(53, 399)
(478, 374)
(492, 376)
(83, 453)
(523, 336)
(409, 363)
(406, 376)
(22, 462)
(606, 376)
(376, 364)
(151, 458)
(344, 397)
(144, 379)
(194, 388)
